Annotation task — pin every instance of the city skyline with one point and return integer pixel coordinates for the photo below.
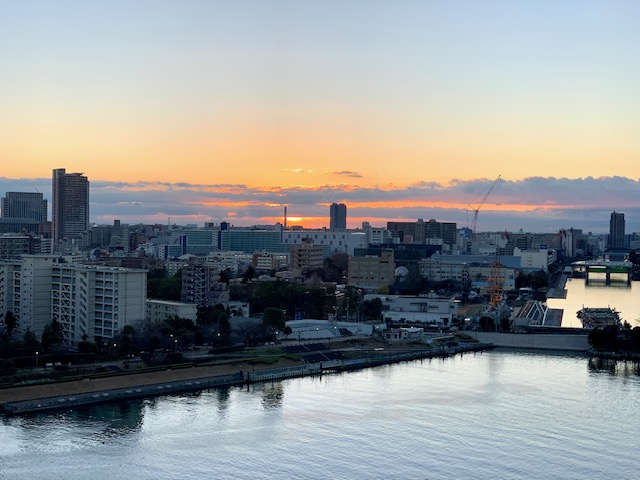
(164, 202)
(210, 111)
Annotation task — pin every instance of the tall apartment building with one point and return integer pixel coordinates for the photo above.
(70, 210)
(87, 300)
(201, 284)
(24, 205)
(616, 231)
(338, 216)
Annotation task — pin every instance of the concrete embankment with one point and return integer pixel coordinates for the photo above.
(558, 290)
(540, 341)
(81, 393)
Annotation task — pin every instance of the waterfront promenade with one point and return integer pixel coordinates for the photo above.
(60, 395)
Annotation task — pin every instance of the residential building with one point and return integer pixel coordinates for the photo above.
(70, 210)
(159, 310)
(616, 232)
(372, 272)
(201, 284)
(265, 261)
(95, 301)
(306, 255)
(337, 216)
(333, 241)
(375, 235)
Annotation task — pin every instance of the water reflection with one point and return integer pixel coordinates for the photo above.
(624, 298)
(272, 396)
(614, 367)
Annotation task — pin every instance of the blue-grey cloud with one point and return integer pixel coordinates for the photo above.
(552, 202)
(348, 173)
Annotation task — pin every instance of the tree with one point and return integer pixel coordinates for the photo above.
(29, 342)
(162, 286)
(249, 274)
(52, 335)
(274, 318)
(224, 327)
(372, 309)
(10, 323)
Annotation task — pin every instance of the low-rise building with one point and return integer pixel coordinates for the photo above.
(428, 309)
(159, 310)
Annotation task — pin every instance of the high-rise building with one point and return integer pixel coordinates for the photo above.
(25, 205)
(70, 211)
(338, 216)
(616, 231)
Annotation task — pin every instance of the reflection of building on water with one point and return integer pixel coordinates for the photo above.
(119, 418)
(272, 395)
(598, 317)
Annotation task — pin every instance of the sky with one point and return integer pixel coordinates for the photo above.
(204, 111)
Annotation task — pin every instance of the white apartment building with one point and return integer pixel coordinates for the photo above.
(426, 309)
(334, 241)
(96, 301)
(159, 310)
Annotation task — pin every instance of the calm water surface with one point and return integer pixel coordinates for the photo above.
(625, 299)
(483, 416)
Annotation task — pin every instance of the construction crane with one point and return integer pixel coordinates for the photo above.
(476, 209)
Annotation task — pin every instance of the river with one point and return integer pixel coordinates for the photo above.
(625, 299)
(488, 415)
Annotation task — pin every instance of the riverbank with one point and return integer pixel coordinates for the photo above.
(558, 290)
(63, 395)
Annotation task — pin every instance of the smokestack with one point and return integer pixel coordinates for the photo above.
(285, 217)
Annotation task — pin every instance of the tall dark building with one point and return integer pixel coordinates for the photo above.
(24, 205)
(70, 209)
(616, 231)
(338, 216)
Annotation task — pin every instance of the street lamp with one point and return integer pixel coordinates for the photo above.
(176, 345)
(317, 333)
(37, 359)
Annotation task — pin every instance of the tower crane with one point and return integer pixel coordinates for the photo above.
(476, 209)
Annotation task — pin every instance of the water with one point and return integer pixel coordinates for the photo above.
(625, 299)
(481, 416)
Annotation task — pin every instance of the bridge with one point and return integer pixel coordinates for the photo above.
(603, 266)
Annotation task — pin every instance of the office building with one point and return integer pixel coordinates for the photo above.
(421, 231)
(338, 216)
(25, 205)
(70, 210)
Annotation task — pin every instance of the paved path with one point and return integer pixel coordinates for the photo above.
(15, 394)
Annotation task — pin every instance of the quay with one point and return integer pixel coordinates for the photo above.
(79, 393)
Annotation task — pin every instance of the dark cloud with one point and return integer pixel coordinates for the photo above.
(348, 173)
(551, 202)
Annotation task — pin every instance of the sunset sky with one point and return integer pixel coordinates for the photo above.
(228, 110)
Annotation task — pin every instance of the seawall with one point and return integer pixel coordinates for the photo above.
(74, 397)
(540, 341)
